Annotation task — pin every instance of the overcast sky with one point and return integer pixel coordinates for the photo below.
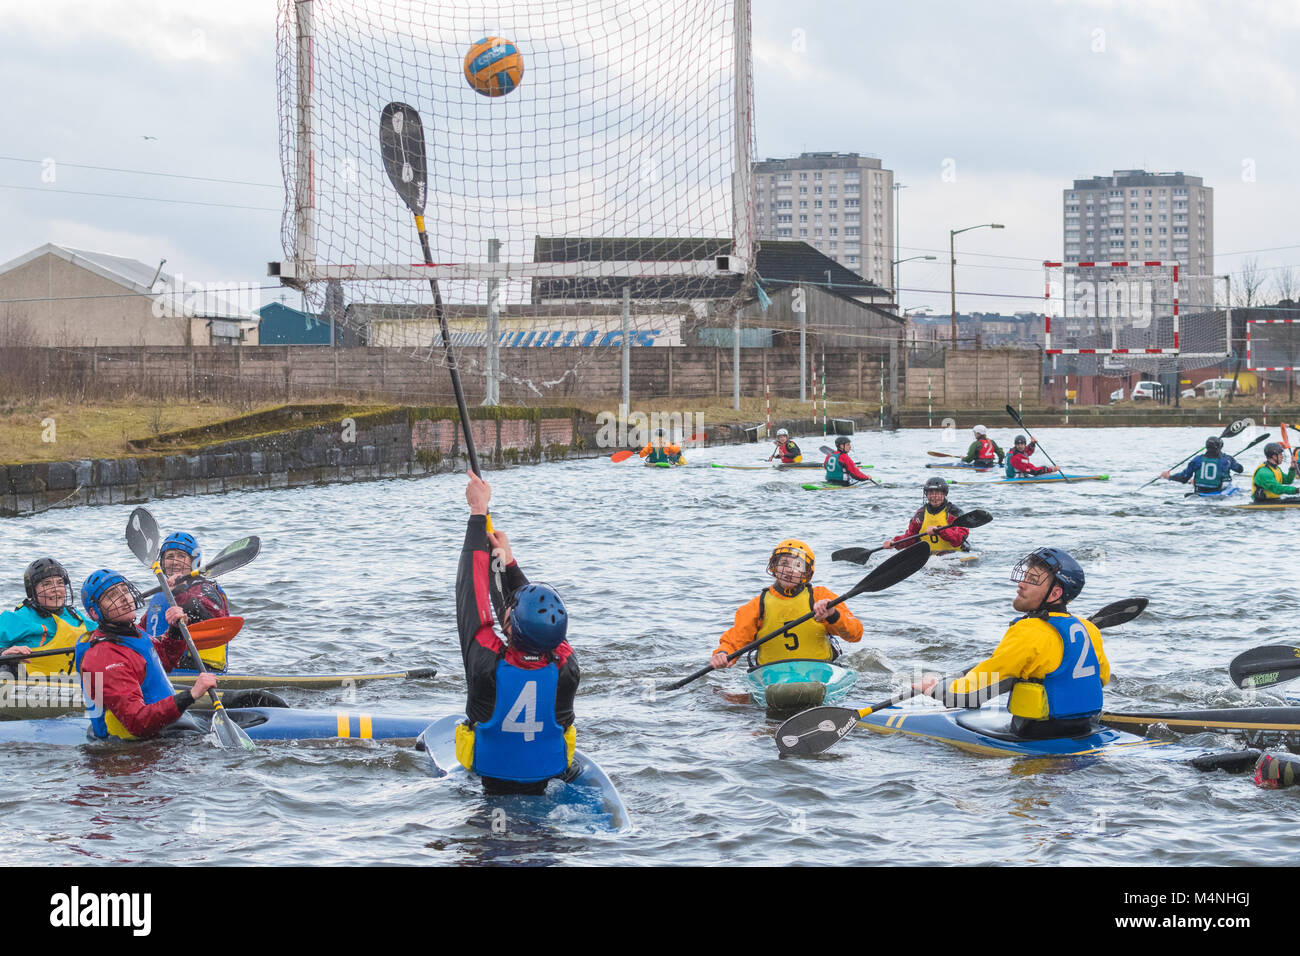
(1015, 98)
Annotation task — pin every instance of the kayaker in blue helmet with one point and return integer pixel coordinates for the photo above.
(45, 620)
(1054, 659)
(1210, 471)
(201, 598)
(519, 730)
(123, 670)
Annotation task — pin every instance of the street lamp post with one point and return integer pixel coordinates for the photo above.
(894, 266)
(898, 248)
(952, 258)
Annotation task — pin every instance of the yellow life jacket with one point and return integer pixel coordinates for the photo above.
(65, 635)
(1259, 493)
(808, 641)
(937, 543)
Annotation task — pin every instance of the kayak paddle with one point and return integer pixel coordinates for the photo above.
(234, 555)
(818, 729)
(941, 454)
(971, 519)
(1021, 422)
(143, 539)
(623, 455)
(204, 639)
(1265, 666)
(901, 566)
(1236, 428)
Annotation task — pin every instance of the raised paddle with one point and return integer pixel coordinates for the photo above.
(818, 729)
(971, 519)
(1021, 422)
(234, 555)
(623, 455)
(143, 539)
(901, 566)
(1236, 428)
(1265, 666)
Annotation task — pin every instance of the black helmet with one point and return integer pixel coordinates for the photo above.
(38, 571)
(1020, 440)
(842, 441)
(1214, 445)
(936, 484)
(1273, 448)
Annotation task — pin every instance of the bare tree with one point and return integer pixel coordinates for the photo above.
(1286, 284)
(1248, 283)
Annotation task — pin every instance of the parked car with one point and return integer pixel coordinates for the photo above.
(1151, 390)
(1117, 395)
(1217, 387)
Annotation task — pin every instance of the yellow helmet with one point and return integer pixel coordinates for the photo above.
(791, 547)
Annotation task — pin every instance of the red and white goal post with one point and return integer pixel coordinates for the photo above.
(1273, 345)
(1140, 306)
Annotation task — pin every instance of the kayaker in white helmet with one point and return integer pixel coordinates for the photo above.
(1053, 659)
(786, 449)
(983, 451)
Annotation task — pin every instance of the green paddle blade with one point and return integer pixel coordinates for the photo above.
(1265, 666)
(814, 731)
(228, 733)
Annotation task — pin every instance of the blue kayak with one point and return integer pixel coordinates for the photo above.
(590, 795)
(1227, 491)
(986, 732)
(260, 723)
(787, 686)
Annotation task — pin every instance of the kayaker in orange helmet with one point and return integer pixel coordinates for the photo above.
(790, 596)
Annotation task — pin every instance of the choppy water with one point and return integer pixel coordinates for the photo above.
(653, 563)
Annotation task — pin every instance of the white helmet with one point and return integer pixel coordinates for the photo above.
(782, 431)
(980, 431)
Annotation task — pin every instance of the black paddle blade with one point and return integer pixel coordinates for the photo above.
(235, 555)
(971, 519)
(1236, 428)
(1265, 666)
(142, 536)
(1016, 415)
(401, 144)
(853, 555)
(902, 565)
(1120, 612)
(814, 731)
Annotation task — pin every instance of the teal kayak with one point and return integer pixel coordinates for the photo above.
(589, 795)
(1225, 492)
(987, 732)
(785, 687)
(260, 723)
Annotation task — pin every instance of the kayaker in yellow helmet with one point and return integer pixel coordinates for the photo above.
(1055, 659)
(656, 451)
(790, 596)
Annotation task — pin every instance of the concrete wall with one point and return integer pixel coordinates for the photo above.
(974, 377)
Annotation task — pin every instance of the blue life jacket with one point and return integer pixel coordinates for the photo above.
(1211, 474)
(522, 741)
(1074, 688)
(154, 687)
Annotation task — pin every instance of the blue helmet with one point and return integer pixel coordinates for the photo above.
(97, 585)
(1067, 571)
(538, 621)
(184, 542)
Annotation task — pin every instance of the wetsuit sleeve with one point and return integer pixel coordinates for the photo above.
(504, 585)
(171, 647)
(913, 528)
(566, 688)
(479, 644)
(646, 450)
(1185, 475)
(744, 630)
(121, 691)
(1264, 479)
(997, 450)
(15, 629)
(1023, 652)
(850, 468)
(971, 452)
(1234, 464)
(844, 624)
